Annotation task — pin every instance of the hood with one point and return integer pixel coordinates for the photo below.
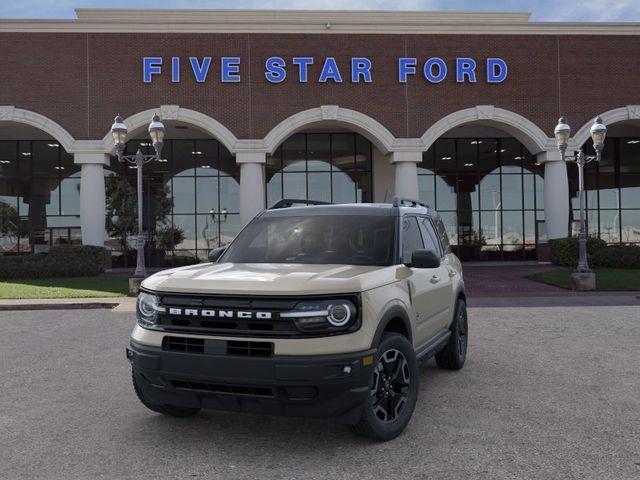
(270, 278)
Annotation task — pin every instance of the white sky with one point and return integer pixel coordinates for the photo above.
(542, 10)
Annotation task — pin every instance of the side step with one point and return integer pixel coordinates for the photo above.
(433, 346)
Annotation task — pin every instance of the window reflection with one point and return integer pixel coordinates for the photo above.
(612, 189)
(495, 202)
(39, 196)
(188, 198)
(330, 167)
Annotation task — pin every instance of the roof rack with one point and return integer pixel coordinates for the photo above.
(292, 202)
(402, 202)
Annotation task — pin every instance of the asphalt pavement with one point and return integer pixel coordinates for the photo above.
(547, 392)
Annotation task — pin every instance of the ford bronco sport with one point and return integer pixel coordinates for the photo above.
(320, 310)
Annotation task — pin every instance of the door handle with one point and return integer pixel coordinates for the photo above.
(435, 279)
(452, 273)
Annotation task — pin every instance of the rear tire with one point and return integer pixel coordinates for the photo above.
(393, 390)
(454, 354)
(170, 410)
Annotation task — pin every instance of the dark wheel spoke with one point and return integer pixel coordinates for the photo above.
(390, 385)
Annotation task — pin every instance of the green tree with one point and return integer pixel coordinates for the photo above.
(122, 208)
(8, 220)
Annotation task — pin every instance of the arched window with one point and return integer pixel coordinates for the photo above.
(39, 196)
(191, 201)
(330, 167)
(489, 194)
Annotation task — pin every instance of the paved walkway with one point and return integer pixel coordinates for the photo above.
(507, 280)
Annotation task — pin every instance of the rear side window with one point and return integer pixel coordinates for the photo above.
(411, 238)
(442, 234)
(429, 236)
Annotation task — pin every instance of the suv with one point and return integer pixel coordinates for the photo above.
(313, 310)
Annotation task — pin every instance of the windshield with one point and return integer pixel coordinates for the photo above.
(337, 239)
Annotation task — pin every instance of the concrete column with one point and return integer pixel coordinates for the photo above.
(92, 197)
(406, 165)
(252, 193)
(556, 194)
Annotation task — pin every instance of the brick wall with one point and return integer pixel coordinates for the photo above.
(82, 80)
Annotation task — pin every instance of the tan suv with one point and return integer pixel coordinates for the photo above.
(314, 310)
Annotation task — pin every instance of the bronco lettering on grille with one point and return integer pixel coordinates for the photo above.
(209, 313)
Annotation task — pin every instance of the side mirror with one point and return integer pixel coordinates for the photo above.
(422, 258)
(215, 254)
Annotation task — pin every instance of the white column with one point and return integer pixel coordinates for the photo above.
(406, 166)
(92, 197)
(556, 194)
(252, 194)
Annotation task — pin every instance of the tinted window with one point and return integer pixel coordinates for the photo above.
(411, 238)
(429, 235)
(317, 239)
(442, 234)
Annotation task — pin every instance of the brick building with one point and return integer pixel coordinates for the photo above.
(457, 109)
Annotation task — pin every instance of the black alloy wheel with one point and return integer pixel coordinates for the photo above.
(390, 389)
(393, 390)
(454, 354)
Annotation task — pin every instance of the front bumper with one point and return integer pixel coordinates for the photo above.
(322, 386)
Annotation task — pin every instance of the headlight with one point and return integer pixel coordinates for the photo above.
(324, 316)
(148, 307)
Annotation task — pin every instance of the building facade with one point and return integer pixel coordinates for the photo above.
(456, 109)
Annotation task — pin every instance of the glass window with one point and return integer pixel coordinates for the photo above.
(467, 154)
(429, 236)
(512, 231)
(319, 152)
(294, 153)
(183, 153)
(426, 189)
(320, 186)
(630, 226)
(315, 239)
(411, 238)
(445, 194)
(343, 151)
(512, 192)
(487, 155)
(206, 194)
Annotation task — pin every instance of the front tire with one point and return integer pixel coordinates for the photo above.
(393, 390)
(170, 410)
(454, 354)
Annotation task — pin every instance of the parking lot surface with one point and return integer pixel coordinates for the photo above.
(549, 392)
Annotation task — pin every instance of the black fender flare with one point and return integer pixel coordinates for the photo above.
(393, 312)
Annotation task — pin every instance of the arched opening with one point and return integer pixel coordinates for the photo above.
(190, 198)
(39, 190)
(330, 164)
(612, 187)
(488, 188)
(327, 154)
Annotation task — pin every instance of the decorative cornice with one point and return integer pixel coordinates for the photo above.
(325, 22)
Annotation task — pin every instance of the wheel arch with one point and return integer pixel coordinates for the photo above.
(395, 319)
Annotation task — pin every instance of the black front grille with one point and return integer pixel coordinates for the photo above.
(250, 349)
(224, 389)
(183, 344)
(197, 323)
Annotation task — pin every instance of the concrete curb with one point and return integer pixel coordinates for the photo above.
(111, 303)
(57, 306)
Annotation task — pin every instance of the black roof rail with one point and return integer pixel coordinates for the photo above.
(401, 202)
(292, 202)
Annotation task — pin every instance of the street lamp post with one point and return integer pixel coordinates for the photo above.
(598, 132)
(156, 132)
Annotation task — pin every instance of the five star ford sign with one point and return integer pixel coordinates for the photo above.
(361, 69)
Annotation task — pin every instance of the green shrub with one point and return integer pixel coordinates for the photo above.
(618, 256)
(61, 261)
(565, 252)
